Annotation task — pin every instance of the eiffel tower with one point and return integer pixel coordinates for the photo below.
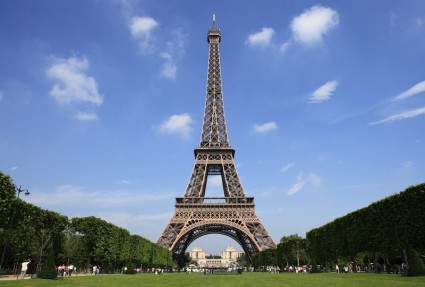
(232, 215)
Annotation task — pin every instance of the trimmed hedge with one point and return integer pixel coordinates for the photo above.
(389, 227)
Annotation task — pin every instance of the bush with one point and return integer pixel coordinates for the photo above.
(6, 272)
(48, 270)
(130, 269)
(314, 267)
(416, 266)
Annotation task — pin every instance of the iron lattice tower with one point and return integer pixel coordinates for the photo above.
(232, 215)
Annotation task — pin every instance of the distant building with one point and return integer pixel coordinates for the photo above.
(227, 258)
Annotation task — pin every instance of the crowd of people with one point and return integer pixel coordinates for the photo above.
(289, 268)
(66, 270)
(349, 268)
(273, 269)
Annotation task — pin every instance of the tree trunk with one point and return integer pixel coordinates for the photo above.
(353, 264)
(405, 256)
(88, 265)
(298, 253)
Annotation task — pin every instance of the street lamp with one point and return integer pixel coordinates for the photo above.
(7, 236)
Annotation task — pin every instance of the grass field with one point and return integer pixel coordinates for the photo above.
(244, 280)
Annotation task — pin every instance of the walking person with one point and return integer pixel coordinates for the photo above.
(24, 268)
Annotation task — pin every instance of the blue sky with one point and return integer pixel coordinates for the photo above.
(101, 105)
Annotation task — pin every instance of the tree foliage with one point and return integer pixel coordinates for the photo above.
(113, 247)
(416, 266)
(292, 250)
(266, 257)
(28, 230)
(7, 196)
(83, 241)
(389, 227)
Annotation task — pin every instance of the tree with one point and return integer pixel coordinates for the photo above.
(112, 246)
(293, 249)
(184, 260)
(96, 235)
(42, 243)
(242, 261)
(7, 195)
(43, 231)
(267, 257)
(26, 229)
(124, 247)
(73, 248)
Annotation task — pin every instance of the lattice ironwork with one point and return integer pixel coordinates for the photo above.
(232, 215)
(214, 131)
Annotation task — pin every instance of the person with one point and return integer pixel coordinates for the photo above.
(24, 268)
(337, 268)
(62, 270)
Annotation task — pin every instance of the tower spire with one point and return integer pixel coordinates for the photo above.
(214, 131)
(214, 32)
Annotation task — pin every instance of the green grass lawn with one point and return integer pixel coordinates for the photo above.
(244, 280)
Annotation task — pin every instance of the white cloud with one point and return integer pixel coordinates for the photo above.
(284, 47)
(122, 219)
(86, 116)
(296, 187)
(262, 38)
(264, 128)
(73, 84)
(401, 116)
(324, 92)
(174, 52)
(169, 70)
(416, 89)
(170, 53)
(142, 26)
(179, 124)
(314, 179)
(141, 29)
(111, 205)
(309, 27)
(301, 182)
(14, 168)
(286, 167)
(67, 195)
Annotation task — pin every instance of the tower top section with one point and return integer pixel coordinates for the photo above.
(214, 33)
(214, 131)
